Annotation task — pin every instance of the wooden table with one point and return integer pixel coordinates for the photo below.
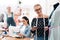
(12, 38)
(7, 37)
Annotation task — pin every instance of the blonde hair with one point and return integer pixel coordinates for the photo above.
(37, 5)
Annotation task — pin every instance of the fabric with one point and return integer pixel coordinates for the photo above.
(10, 21)
(55, 25)
(40, 38)
(40, 25)
(55, 6)
(1, 17)
(25, 30)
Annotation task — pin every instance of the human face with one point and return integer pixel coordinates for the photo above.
(38, 9)
(9, 9)
(59, 1)
(20, 11)
(24, 21)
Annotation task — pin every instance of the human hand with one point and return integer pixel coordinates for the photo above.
(46, 28)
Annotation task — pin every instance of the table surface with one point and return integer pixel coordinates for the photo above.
(12, 38)
(7, 37)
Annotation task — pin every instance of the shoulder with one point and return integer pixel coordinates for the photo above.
(45, 16)
(36, 16)
(34, 19)
(28, 24)
(28, 27)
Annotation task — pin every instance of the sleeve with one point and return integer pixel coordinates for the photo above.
(33, 23)
(12, 14)
(27, 32)
(5, 18)
(46, 22)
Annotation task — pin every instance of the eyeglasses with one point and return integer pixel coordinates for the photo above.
(37, 9)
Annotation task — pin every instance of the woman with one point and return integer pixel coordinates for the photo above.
(40, 24)
(25, 28)
(9, 17)
(17, 16)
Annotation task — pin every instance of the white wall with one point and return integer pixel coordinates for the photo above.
(47, 5)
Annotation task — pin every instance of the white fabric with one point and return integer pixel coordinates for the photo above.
(22, 30)
(10, 15)
(55, 25)
(13, 30)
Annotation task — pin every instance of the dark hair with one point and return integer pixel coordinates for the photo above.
(24, 17)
